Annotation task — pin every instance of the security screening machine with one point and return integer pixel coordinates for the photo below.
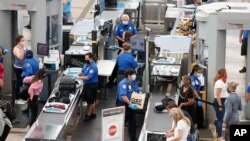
(46, 21)
(212, 22)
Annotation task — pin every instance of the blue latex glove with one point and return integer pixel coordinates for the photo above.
(199, 103)
(23, 74)
(6, 51)
(132, 106)
(75, 77)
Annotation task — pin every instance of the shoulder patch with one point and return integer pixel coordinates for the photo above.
(28, 65)
(91, 71)
(124, 86)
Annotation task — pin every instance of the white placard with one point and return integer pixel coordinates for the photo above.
(113, 124)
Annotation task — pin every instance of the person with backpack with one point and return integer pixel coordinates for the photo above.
(35, 89)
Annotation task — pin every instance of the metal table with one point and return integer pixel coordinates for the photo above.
(54, 121)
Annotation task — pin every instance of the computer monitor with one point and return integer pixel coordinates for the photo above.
(137, 44)
(42, 49)
(108, 27)
(110, 3)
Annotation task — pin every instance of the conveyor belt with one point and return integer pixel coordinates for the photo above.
(157, 122)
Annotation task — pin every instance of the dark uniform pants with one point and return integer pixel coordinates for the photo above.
(130, 117)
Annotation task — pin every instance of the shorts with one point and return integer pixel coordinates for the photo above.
(90, 92)
(244, 47)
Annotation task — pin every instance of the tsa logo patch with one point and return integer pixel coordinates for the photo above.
(27, 65)
(91, 71)
(124, 86)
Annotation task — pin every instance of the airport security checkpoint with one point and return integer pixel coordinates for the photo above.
(123, 70)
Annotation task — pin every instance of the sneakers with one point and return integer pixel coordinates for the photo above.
(243, 70)
(20, 101)
(93, 116)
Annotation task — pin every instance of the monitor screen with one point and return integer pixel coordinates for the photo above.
(42, 49)
(137, 44)
(108, 27)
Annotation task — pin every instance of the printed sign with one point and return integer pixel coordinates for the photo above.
(113, 124)
(233, 25)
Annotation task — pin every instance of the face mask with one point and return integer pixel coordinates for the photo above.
(87, 61)
(125, 22)
(133, 77)
(129, 51)
(198, 74)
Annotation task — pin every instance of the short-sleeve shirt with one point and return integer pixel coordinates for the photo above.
(126, 61)
(121, 28)
(90, 70)
(182, 125)
(248, 88)
(196, 83)
(223, 86)
(245, 34)
(126, 87)
(184, 96)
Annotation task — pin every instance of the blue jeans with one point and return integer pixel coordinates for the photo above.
(192, 137)
(219, 116)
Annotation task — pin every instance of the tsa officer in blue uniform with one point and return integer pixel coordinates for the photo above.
(196, 84)
(125, 90)
(125, 60)
(89, 75)
(125, 26)
(31, 65)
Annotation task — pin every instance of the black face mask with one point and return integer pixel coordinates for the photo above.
(87, 61)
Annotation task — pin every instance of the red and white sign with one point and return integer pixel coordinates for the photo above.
(232, 25)
(113, 124)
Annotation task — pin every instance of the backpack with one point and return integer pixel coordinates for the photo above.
(67, 84)
(9, 110)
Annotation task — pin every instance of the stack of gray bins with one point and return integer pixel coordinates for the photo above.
(153, 11)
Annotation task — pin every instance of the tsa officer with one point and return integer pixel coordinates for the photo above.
(125, 89)
(125, 26)
(196, 85)
(125, 60)
(31, 65)
(89, 75)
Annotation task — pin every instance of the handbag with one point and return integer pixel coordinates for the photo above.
(141, 100)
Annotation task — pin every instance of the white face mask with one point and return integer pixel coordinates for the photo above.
(125, 22)
(133, 77)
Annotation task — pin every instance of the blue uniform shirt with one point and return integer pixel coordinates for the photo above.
(121, 28)
(90, 70)
(30, 67)
(248, 88)
(126, 61)
(196, 83)
(67, 7)
(245, 34)
(127, 88)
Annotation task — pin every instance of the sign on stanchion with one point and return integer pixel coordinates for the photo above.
(113, 124)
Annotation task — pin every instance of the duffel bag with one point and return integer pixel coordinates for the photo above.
(67, 84)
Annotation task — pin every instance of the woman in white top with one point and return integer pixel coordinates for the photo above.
(181, 126)
(19, 51)
(220, 95)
